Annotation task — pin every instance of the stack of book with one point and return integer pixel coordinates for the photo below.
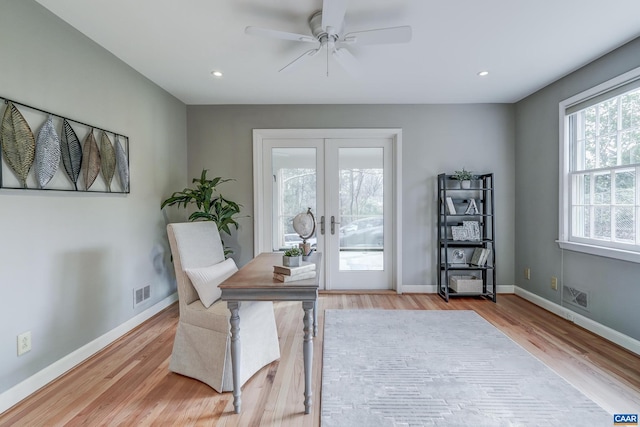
(480, 256)
(307, 270)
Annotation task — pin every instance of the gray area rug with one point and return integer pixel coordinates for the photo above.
(442, 368)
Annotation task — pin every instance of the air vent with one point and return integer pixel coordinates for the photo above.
(576, 297)
(140, 295)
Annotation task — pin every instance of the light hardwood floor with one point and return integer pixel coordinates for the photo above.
(128, 383)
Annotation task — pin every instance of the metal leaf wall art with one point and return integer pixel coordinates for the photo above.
(123, 165)
(18, 143)
(107, 159)
(38, 157)
(47, 158)
(71, 152)
(90, 160)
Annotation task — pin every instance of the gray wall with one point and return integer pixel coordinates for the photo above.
(436, 138)
(613, 285)
(69, 262)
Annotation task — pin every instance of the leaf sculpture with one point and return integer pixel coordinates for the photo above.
(47, 158)
(123, 165)
(18, 143)
(90, 160)
(71, 152)
(107, 159)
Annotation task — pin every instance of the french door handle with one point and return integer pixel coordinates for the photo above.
(333, 224)
(322, 224)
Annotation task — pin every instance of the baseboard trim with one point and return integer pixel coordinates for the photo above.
(30, 385)
(606, 332)
(419, 289)
(432, 289)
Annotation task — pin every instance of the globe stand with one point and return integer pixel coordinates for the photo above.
(306, 250)
(305, 225)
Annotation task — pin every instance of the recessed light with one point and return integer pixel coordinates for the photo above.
(216, 73)
(483, 73)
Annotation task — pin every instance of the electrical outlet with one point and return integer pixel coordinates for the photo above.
(24, 343)
(554, 283)
(527, 273)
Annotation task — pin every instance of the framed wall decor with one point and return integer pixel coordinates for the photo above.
(41, 150)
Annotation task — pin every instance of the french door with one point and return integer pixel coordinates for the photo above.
(347, 179)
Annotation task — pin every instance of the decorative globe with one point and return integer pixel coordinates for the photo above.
(304, 224)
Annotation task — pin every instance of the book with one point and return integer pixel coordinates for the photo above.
(485, 256)
(292, 271)
(480, 256)
(302, 276)
(475, 257)
(450, 206)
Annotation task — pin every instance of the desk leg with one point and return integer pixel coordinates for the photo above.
(236, 351)
(315, 318)
(307, 350)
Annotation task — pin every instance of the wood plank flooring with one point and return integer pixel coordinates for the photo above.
(128, 383)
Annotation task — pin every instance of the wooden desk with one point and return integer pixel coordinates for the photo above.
(255, 282)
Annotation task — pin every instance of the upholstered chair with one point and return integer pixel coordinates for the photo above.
(201, 348)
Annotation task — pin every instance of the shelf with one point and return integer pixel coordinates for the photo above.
(468, 215)
(470, 243)
(453, 293)
(481, 195)
(466, 189)
(470, 267)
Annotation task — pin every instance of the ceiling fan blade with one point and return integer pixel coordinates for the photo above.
(333, 12)
(282, 35)
(380, 36)
(300, 59)
(347, 61)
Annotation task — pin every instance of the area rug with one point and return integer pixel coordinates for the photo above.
(439, 368)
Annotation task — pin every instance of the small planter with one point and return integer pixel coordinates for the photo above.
(292, 261)
(465, 177)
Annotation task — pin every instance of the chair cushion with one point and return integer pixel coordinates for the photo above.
(207, 279)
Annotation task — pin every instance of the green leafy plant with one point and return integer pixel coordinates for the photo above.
(292, 252)
(463, 175)
(210, 204)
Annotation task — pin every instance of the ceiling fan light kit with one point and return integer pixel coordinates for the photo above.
(327, 27)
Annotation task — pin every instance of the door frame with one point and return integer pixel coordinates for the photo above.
(395, 134)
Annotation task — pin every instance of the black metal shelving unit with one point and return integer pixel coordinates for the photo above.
(482, 192)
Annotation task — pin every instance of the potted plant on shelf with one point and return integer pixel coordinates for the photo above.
(210, 204)
(465, 177)
(292, 257)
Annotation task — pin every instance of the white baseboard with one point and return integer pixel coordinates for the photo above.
(606, 332)
(432, 289)
(15, 394)
(419, 289)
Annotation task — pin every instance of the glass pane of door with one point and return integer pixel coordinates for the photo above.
(361, 208)
(294, 191)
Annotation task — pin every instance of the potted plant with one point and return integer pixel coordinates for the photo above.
(465, 177)
(210, 204)
(292, 257)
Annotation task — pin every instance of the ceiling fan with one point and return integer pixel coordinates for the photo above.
(327, 29)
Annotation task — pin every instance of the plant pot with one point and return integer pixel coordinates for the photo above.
(466, 184)
(291, 261)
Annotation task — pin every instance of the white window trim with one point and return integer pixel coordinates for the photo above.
(565, 181)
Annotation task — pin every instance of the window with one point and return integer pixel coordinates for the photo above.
(600, 168)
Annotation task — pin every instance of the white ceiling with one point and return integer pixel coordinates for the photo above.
(524, 44)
